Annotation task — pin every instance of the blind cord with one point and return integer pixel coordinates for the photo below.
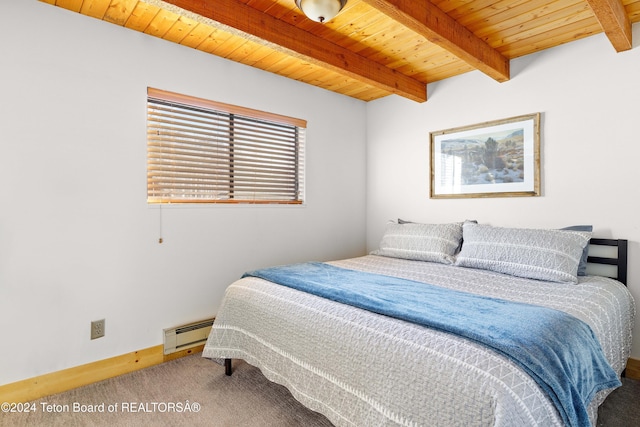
(160, 231)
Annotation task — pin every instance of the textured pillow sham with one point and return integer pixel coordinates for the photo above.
(549, 255)
(421, 242)
(582, 267)
(402, 221)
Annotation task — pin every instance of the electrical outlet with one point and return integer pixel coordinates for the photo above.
(97, 329)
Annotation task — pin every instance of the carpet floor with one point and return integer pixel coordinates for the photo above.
(194, 391)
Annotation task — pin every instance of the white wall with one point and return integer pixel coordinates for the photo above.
(78, 241)
(589, 97)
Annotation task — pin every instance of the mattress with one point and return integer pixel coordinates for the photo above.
(361, 368)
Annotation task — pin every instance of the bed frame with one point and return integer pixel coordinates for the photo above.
(616, 258)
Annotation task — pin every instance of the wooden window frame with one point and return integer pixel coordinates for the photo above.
(202, 151)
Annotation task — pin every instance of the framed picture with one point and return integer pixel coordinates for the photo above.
(493, 159)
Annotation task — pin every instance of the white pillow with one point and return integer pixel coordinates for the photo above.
(550, 255)
(421, 242)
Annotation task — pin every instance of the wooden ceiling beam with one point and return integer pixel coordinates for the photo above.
(431, 22)
(267, 30)
(614, 21)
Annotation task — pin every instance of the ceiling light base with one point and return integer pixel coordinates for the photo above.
(320, 10)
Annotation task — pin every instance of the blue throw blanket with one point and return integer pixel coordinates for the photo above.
(559, 351)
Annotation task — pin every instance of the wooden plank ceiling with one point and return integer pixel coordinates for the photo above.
(372, 48)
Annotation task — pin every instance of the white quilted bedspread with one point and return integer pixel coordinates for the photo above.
(363, 369)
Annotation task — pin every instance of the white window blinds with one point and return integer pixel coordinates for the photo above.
(200, 151)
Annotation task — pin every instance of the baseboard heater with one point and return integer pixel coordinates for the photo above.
(186, 336)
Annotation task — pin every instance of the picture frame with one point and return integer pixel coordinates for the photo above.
(499, 158)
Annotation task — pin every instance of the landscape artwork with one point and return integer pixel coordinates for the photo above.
(493, 159)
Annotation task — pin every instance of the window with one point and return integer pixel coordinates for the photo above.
(200, 151)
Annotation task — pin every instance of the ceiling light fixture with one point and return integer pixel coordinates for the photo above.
(320, 10)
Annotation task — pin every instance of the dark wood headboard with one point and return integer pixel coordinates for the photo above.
(618, 259)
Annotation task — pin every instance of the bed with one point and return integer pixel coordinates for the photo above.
(363, 368)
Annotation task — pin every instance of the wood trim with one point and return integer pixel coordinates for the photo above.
(68, 379)
(633, 369)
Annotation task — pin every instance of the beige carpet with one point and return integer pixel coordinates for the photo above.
(193, 391)
(144, 398)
